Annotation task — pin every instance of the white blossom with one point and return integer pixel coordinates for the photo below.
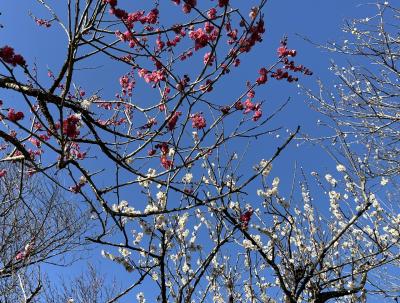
(340, 168)
(187, 178)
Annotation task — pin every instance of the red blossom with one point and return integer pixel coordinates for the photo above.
(71, 126)
(163, 147)
(119, 13)
(172, 120)
(77, 188)
(150, 123)
(151, 17)
(212, 13)
(42, 22)
(198, 121)
(3, 172)
(166, 163)
(188, 5)
(239, 105)
(200, 38)
(208, 27)
(111, 2)
(127, 84)
(207, 87)
(222, 3)
(263, 76)
(208, 59)
(14, 116)
(225, 109)
(257, 115)
(245, 218)
(151, 152)
(35, 142)
(7, 55)
(249, 106)
(246, 43)
(160, 44)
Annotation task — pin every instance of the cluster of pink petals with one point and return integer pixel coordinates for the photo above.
(71, 126)
(198, 121)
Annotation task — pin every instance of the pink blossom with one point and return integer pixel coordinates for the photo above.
(198, 121)
(208, 59)
(257, 115)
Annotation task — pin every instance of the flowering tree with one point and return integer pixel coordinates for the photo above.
(363, 111)
(162, 166)
(36, 225)
(364, 102)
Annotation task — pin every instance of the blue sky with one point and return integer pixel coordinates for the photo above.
(319, 20)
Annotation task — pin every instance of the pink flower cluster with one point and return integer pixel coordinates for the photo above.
(188, 5)
(23, 254)
(152, 77)
(8, 55)
(208, 59)
(284, 53)
(71, 126)
(42, 22)
(263, 76)
(77, 188)
(201, 38)
(165, 162)
(74, 151)
(256, 32)
(198, 121)
(130, 18)
(127, 84)
(248, 107)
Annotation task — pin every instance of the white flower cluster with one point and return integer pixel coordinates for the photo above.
(335, 208)
(308, 209)
(160, 222)
(140, 297)
(86, 103)
(266, 167)
(332, 181)
(270, 191)
(384, 181)
(249, 245)
(162, 199)
(123, 207)
(187, 178)
(340, 168)
(230, 182)
(145, 181)
(138, 237)
(124, 252)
